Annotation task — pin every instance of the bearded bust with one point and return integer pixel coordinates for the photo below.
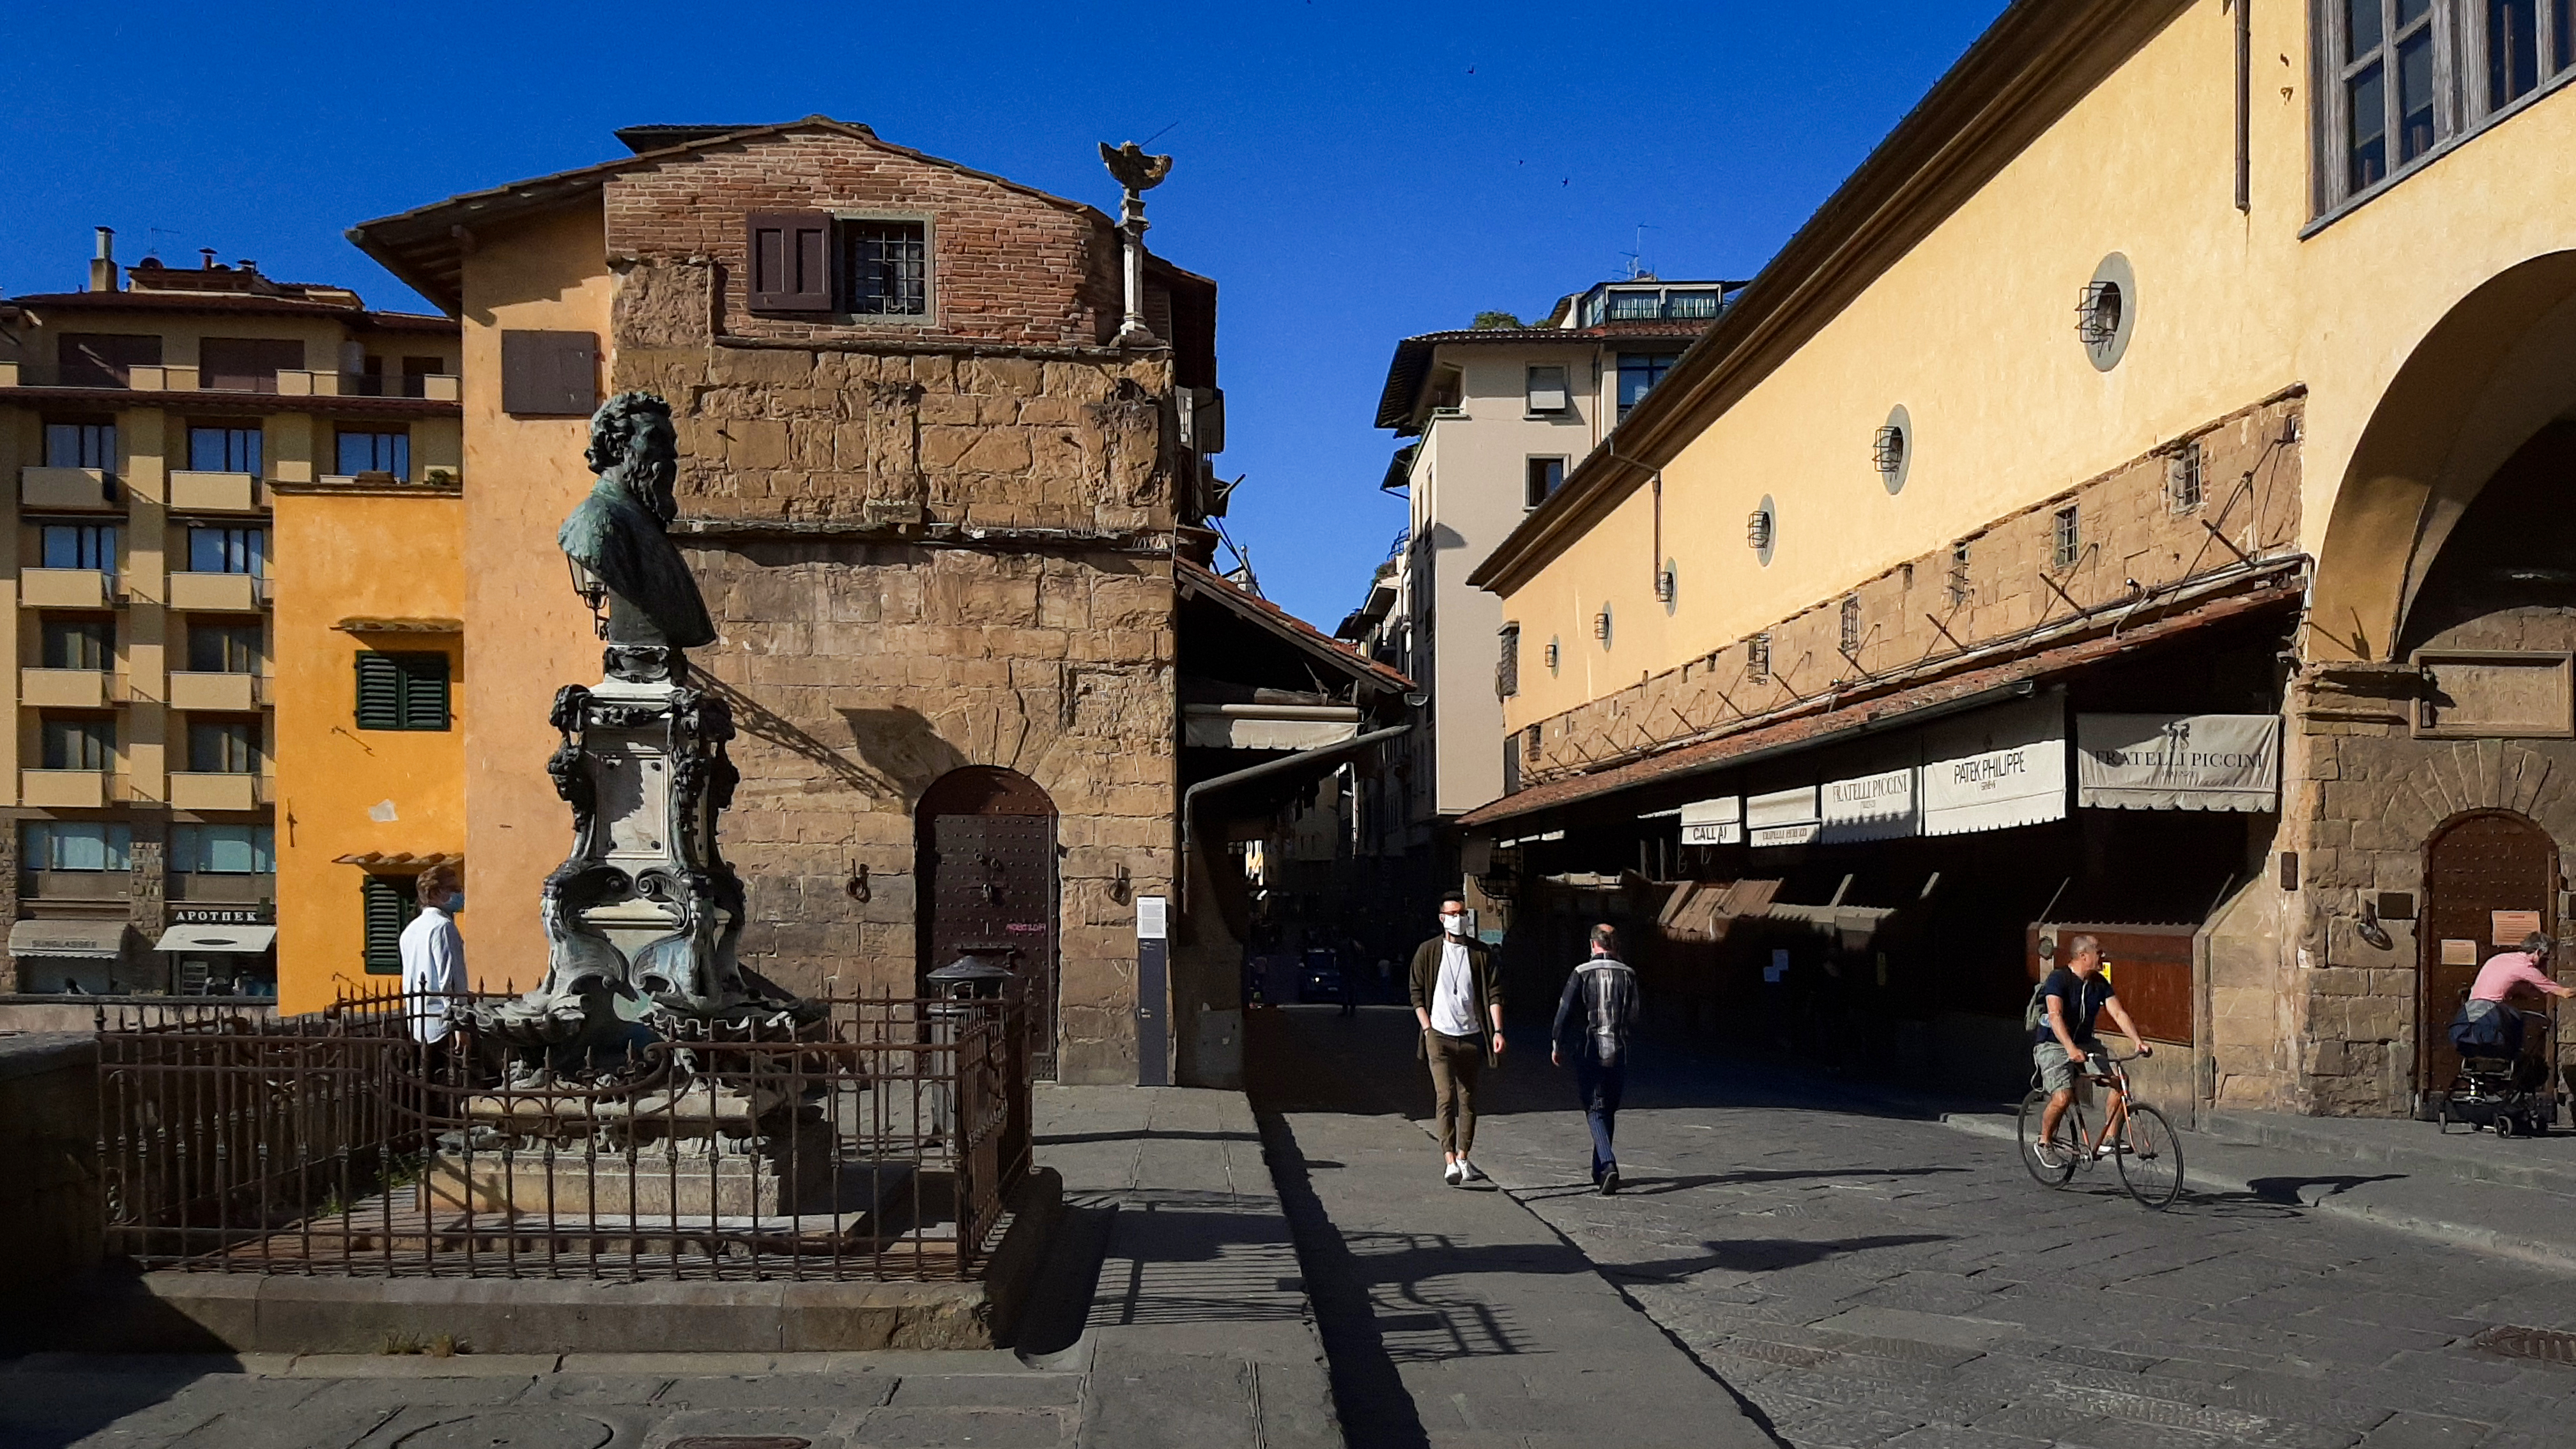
(617, 540)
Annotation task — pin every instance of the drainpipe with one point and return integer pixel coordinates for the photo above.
(1280, 766)
(102, 267)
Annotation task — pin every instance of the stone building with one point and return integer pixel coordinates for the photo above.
(148, 425)
(946, 510)
(2127, 504)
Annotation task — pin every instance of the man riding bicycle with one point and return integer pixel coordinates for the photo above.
(2063, 1044)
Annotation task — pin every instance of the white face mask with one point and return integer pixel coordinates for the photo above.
(1455, 925)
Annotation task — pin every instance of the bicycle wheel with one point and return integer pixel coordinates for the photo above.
(2150, 1158)
(2050, 1163)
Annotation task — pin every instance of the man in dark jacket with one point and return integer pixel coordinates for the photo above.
(1594, 1018)
(1459, 1003)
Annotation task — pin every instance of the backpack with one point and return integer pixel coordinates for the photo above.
(2035, 1015)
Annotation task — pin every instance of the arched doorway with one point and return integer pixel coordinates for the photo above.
(2482, 872)
(984, 843)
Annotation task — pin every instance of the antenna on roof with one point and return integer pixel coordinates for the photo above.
(1637, 268)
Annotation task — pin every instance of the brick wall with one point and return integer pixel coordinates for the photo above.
(1008, 264)
(1912, 617)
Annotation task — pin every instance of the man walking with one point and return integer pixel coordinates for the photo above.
(1456, 999)
(433, 954)
(1594, 1017)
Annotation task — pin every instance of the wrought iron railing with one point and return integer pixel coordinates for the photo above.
(880, 1141)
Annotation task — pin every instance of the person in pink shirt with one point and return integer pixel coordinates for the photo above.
(2490, 1023)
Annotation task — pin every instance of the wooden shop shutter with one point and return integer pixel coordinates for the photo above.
(789, 261)
(390, 902)
(549, 374)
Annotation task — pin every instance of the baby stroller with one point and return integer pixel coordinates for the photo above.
(2508, 1071)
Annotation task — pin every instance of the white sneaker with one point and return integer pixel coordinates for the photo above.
(1474, 1173)
(1454, 1174)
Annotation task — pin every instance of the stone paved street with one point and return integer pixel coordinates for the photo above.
(1864, 1279)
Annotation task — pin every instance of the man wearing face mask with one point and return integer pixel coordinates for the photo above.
(1459, 1003)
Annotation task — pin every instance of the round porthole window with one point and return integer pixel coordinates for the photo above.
(2108, 312)
(1894, 450)
(1762, 530)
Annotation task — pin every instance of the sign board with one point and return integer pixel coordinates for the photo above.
(2507, 928)
(1151, 914)
(1714, 822)
(1996, 769)
(1871, 807)
(223, 916)
(2178, 761)
(1783, 817)
(2459, 953)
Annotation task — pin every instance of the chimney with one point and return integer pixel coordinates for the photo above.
(102, 267)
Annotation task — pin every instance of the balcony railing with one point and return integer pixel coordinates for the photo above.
(178, 377)
(191, 689)
(66, 588)
(234, 593)
(66, 488)
(217, 790)
(72, 789)
(194, 491)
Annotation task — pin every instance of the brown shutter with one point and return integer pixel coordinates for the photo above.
(549, 374)
(788, 261)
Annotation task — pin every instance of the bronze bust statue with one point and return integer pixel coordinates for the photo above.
(616, 540)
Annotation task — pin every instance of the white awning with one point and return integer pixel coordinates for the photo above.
(1267, 726)
(2178, 761)
(219, 940)
(1871, 807)
(1783, 817)
(1713, 822)
(1996, 769)
(93, 940)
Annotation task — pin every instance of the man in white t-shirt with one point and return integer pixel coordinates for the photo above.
(433, 954)
(1459, 1004)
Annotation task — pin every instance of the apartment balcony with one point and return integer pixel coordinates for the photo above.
(54, 488)
(76, 885)
(194, 790)
(69, 789)
(191, 690)
(198, 492)
(216, 593)
(66, 588)
(288, 382)
(69, 688)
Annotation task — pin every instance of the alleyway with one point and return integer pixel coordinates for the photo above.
(1858, 1278)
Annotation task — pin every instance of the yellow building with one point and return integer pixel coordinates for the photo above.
(2171, 366)
(146, 423)
(371, 745)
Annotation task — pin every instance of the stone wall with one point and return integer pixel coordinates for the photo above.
(924, 548)
(1935, 607)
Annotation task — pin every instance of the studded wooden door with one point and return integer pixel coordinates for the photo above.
(2473, 869)
(988, 888)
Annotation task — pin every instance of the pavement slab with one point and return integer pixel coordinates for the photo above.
(1863, 1274)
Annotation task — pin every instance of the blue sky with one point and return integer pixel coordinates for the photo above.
(1349, 173)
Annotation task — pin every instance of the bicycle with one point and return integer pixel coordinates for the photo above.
(2134, 1135)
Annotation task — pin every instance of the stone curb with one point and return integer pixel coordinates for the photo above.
(2535, 1250)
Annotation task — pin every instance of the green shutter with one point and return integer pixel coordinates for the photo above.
(391, 901)
(424, 691)
(379, 692)
(406, 691)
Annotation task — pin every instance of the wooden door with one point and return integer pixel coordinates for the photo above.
(987, 883)
(2473, 868)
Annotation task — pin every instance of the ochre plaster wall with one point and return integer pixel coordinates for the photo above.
(343, 556)
(531, 634)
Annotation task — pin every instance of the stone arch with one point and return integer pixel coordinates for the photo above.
(2499, 366)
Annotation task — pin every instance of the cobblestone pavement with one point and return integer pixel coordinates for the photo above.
(1865, 1279)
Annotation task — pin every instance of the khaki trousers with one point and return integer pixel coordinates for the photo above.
(1456, 1062)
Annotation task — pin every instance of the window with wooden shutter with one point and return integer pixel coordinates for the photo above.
(549, 374)
(788, 261)
(407, 691)
(390, 903)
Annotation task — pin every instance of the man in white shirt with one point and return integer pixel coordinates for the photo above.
(433, 954)
(1455, 998)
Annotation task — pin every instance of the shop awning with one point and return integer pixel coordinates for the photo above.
(93, 940)
(219, 940)
(2178, 761)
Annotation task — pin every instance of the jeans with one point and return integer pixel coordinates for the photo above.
(1456, 1062)
(1600, 1086)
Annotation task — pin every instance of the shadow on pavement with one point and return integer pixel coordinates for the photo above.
(1369, 1395)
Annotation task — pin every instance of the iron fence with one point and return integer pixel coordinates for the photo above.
(881, 1140)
